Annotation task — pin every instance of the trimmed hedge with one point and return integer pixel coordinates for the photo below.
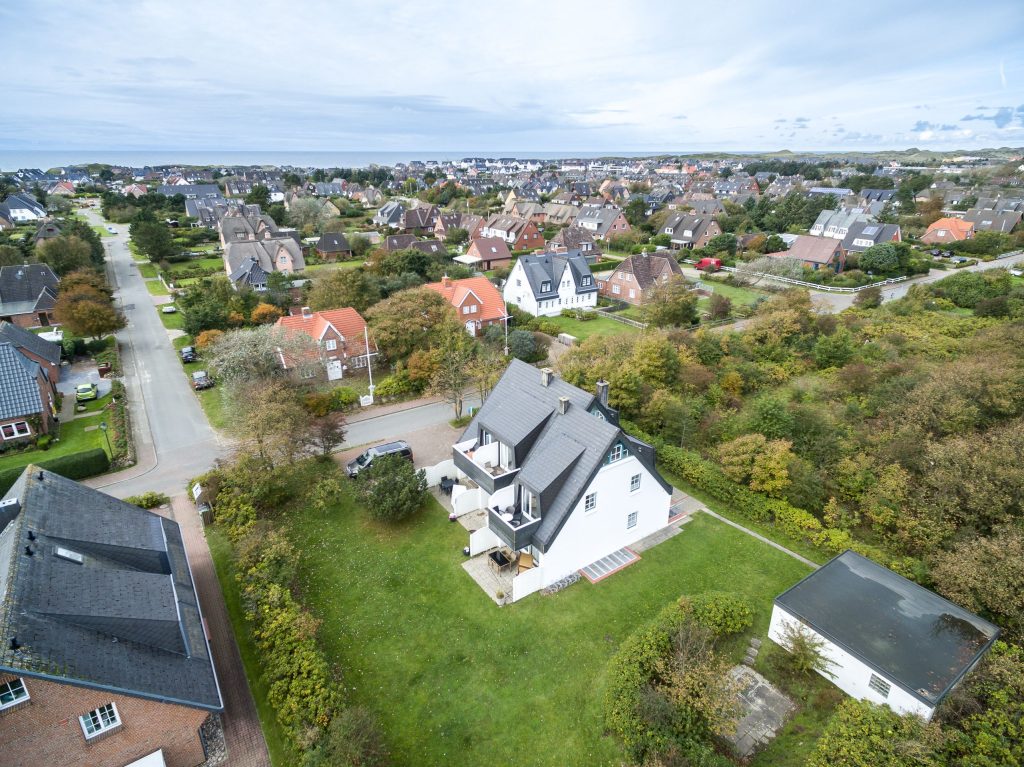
(87, 463)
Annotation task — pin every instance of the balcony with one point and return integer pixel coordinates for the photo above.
(514, 527)
(480, 463)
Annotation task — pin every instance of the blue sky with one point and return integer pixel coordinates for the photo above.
(478, 75)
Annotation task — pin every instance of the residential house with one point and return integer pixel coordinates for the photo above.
(250, 263)
(34, 347)
(21, 208)
(391, 214)
(577, 238)
(815, 253)
(475, 299)
(430, 247)
(333, 245)
(869, 196)
(328, 189)
(341, 341)
(544, 284)
(563, 486)
(395, 242)
(602, 222)
(235, 227)
(836, 224)
(560, 214)
(992, 221)
(948, 230)
(689, 231)
(61, 189)
(420, 220)
(446, 222)
(633, 278)
(823, 191)
(134, 190)
(28, 398)
(28, 294)
(863, 234)
(104, 659)
(518, 233)
(485, 253)
(885, 639)
(46, 231)
(190, 191)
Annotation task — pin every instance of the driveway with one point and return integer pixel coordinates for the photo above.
(80, 373)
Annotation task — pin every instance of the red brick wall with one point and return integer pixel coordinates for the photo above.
(30, 320)
(529, 239)
(45, 730)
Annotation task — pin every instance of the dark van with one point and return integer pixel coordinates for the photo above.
(401, 447)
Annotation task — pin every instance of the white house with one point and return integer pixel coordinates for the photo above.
(545, 284)
(20, 208)
(560, 481)
(887, 640)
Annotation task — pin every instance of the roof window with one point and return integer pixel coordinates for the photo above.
(69, 555)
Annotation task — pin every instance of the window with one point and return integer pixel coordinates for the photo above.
(616, 289)
(586, 281)
(545, 287)
(617, 453)
(12, 692)
(99, 720)
(331, 344)
(465, 310)
(519, 283)
(590, 502)
(632, 293)
(634, 483)
(631, 520)
(879, 685)
(15, 430)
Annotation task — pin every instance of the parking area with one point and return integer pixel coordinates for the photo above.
(430, 445)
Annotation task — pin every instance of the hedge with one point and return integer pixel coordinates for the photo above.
(87, 463)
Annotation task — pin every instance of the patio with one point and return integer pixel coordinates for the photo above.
(487, 577)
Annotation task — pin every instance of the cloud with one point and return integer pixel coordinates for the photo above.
(781, 120)
(921, 126)
(1003, 116)
(802, 120)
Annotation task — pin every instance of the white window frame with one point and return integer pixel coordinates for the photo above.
(18, 434)
(103, 725)
(634, 483)
(11, 687)
(631, 520)
(879, 685)
(617, 453)
(590, 502)
(331, 344)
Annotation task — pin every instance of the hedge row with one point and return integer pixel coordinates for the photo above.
(87, 463)
(793, 522)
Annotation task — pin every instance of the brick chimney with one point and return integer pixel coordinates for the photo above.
(602, 392)
(446, 281)
(546, 374)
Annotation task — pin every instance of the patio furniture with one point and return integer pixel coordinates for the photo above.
(524, 561)
(506, 516)
(500, 560)
(447, 485)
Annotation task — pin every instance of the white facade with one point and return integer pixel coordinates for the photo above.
(517, 291)
(851, 675)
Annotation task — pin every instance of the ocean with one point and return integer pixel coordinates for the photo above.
(44, 159)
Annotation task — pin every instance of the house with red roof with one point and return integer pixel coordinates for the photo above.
(486, 253)
(341, 341)
(948, 230)
(477, 302)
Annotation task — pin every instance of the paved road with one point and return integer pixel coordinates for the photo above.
(394, 425)
(173, 438)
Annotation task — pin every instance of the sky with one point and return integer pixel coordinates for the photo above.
(527, 75)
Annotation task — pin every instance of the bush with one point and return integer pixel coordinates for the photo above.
(148, 499)
(344, 397)
(353, 739)
(391, 489)
(87, 463)
(722, 613)
(396, 385)
(43, 441)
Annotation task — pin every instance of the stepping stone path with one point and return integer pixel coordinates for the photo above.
(752, 651)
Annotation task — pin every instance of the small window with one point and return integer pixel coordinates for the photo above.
(99, 720)
(634, 483)
(331, 344)
(617, 453)
(15, 430)
(616, 289)
(879, 685)
(631, 520)
(12, 692)
(590, 503)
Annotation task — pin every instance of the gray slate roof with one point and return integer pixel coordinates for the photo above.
(27, 288)
(127, 618)
(333, 242)
(869, 230)
(549, 267)
(30, 342)
(240, 256)
(902, 630)
(19, 387)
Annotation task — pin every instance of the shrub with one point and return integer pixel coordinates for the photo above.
(391, 489)
(87, 463)
(148, 499)
(722, 613)
(43, 441)
(208, 338)
(396, 385)
(353, 739)
(344, 397)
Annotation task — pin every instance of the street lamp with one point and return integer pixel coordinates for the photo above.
(103, 428)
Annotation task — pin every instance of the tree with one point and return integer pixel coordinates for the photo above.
(353, 739)
(762, 464)
(522, 345)
(265, 314)
(454, 354)
(278, 212)
(407, 320)
(208, 338)
(308, 214)
(253, 355)
(868, 298)
(269, 420)
(11, 256)
(773, 244)
(721, 243)
(259, 195)
(209, 315)
(154, 240)
(326, 433)
(344, 287)
(64, 254)
(457, 236)
(671, 303)
(862, 734)
(87, 311)
(719, 307)
(880, 259)
(391, 489)
(752, 272)
(834, 351)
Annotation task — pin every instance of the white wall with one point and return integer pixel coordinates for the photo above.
(520, 295)
(527, 582)
(483, 540)
(849, 674)
(444, 469)
(589, 536)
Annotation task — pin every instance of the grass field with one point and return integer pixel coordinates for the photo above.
(601, 326)
(157, 288)
(148, 271)
(457, 680)
(73, 438)
(171, 321)
(184, 266)
(211, 400)
(333, 265)
(736, 294)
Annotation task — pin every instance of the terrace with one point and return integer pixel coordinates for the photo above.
(489, 466)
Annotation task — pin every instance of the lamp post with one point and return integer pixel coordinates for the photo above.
(103, 428)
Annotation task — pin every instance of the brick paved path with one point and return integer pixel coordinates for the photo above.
(242, 733)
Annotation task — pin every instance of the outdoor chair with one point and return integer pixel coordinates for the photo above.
(525, 562)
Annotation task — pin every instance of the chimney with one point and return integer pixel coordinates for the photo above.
(307, 313)
(563, 405)
(602, 392)
(546, 374)
(446, 281)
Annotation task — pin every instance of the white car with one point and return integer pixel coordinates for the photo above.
(169, 309)
(112, 230)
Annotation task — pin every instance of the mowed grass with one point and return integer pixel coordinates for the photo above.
(73, 439)
(333, 266)
(184, 266)
(599, 326)
(736, 294)
(457, 680)
(157, 288)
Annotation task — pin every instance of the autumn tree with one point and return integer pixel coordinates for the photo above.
(265, 314)
(761, 463)
(671, 304)
(208, 338)
(11, 256)
(64, 254)
(719, 307)
(454, 354)
(407, 321)
(250, 356)
(87, 311)
(344, 287)
(270, 422)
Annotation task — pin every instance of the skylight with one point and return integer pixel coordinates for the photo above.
(68, 554)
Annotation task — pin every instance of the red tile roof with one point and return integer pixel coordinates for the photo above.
(346, 321)
(957, 228)
(455, 292)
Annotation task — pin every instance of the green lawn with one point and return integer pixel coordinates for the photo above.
(736, 294)
(94, 405)
(101, 230)
(211, 400)
(184, 266)
(171, 321)
(148, 271)
(157, 288)
(600, 326)
(73, 439)
(333, 265)
(457, 680)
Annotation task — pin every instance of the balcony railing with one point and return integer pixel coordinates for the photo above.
(481, 464)
(512, 526)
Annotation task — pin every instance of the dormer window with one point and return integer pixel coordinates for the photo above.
(545, 287)
(617, 453)
(586, 282)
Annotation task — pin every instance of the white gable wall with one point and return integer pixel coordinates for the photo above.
(588, 536)
(850, 674)
(518, 292)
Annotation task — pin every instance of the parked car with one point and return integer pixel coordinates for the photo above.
(401, 447)
(188, 354)
(169, 309)
(112, 230)
(200, 380)
(86, 391)
(709, 264)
